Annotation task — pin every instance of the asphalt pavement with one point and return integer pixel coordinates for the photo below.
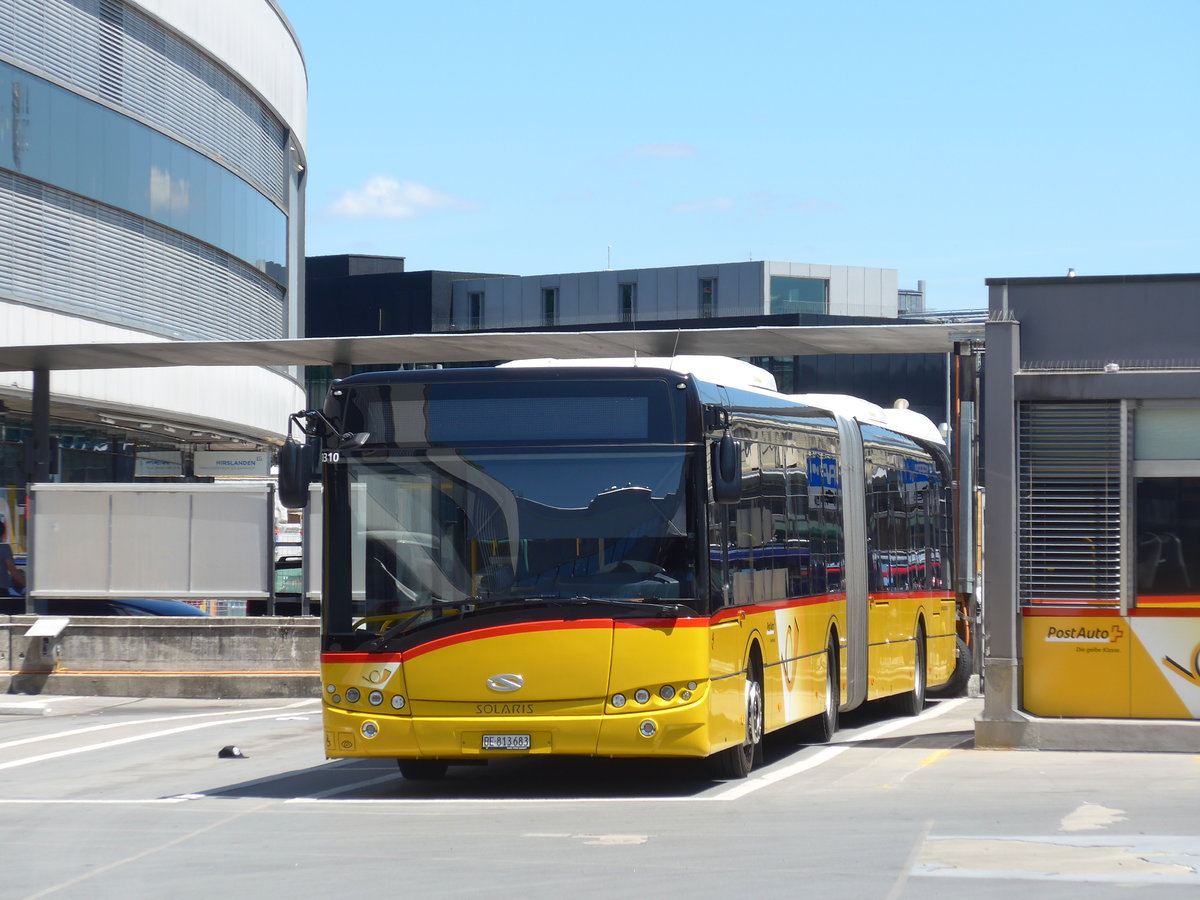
(119, 797)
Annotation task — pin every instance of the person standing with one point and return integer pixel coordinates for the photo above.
(12, 579)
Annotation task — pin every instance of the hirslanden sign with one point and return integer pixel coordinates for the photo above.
(231, 462)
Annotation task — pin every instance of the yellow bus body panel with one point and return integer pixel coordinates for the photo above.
(457, 689)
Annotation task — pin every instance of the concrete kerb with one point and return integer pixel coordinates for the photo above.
(189, 657)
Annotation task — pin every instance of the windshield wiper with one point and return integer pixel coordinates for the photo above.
(421, 614)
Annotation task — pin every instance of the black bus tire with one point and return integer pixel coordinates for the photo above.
(913, 702)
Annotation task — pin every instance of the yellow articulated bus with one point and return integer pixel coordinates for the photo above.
(604, 558)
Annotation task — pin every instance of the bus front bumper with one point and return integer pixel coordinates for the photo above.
(678, 732)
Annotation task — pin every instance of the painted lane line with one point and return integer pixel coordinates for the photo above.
(486, 801)
(24, 709)
(768, 778)
(735, 793)
(85, 802)
(158, 719)
(341, 789)
(133, 739)
(934, 757)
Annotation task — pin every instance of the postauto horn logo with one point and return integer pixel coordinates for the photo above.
(1083, 634)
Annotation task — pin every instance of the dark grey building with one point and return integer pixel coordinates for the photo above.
(363, 295)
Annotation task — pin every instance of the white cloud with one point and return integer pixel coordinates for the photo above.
(716, 204)
(384, 197)
(664, 151)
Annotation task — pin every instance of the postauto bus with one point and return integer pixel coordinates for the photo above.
(603, 558)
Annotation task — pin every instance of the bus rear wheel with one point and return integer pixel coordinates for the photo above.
(822, 727)
(737, 762)
(422, 769)
(912, 703)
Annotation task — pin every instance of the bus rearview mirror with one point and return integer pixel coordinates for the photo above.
(295, 473)
(727, 470)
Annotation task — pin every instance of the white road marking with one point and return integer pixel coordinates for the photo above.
(132, 739)
(736, 792)
(157, 719)
(84, 802)
(1132, 860)
(768, 778)
(1091, 817)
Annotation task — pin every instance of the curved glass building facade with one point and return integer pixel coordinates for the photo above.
(151, 188)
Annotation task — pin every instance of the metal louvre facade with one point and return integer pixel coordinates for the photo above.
(117, 53)
(1069, 503)
(59, 251)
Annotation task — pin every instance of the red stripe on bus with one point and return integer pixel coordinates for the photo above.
(504, 630)
(1173, 599)
(1068, 612)
(1074, 612)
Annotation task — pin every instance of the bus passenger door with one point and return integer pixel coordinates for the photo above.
(729, 590)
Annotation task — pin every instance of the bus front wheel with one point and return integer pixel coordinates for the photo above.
(737, 762)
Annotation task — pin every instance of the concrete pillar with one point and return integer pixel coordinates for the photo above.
(1001, 614)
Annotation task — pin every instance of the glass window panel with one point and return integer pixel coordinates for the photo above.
(64, 144)
(138, 166)
(798, 295)
(1166, 434)
(56, 136)
(160, 178)
(6, 120)
(114, 149)
(31, 127)
(1168, 536)
(88, 147)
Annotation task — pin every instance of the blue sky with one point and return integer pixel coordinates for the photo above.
(952, 141)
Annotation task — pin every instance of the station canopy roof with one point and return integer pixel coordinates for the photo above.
(479, 346)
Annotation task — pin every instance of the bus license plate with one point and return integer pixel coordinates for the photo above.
(506, 742)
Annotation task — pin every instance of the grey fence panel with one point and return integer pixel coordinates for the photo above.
(194, 541)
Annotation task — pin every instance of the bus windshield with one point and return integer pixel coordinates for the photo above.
(440, 526)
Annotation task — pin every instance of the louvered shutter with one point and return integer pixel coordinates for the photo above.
(1069, 507)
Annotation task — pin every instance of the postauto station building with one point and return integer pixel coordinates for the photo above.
(1091, 436)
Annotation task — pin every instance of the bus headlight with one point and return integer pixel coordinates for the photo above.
(397, 702)
(648, 728)
(666, 692)
(641, 695)
(369, 729)
(375, 698)
(618, 700)
(352, 695)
